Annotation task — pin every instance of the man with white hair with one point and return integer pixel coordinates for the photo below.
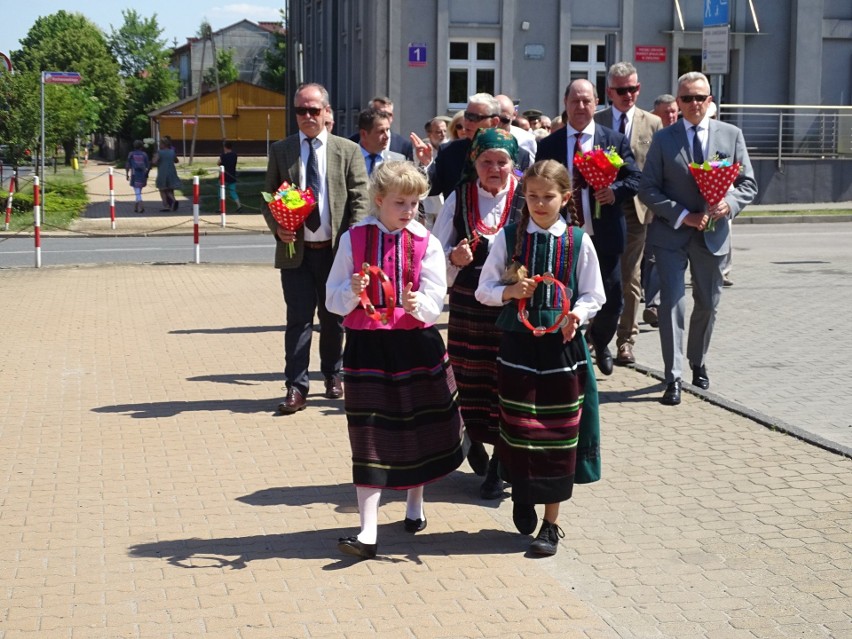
(526, 139)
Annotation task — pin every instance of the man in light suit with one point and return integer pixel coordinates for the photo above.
(334, 168)
(639, 127)
(679, 232)
(609, 232)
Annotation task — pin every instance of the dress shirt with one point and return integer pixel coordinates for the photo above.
(616, 120)
(490, 210)
(323, 233)
(591, 295)
(340, 299)
(587, 142)
(703, 135)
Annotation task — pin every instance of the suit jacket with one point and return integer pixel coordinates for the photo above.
(346, 181)
(398, 144)
(644, 126)
(610, 230)
(445, 172)
(668, 188)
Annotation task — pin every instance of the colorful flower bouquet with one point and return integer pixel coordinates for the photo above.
(290, 207)
(599, 168)
(714, 177)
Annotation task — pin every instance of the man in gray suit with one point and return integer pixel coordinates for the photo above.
(679, 232)
(639, 127)
(334, 168)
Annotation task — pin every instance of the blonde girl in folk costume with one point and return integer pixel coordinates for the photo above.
(545, 383)
(405, 428)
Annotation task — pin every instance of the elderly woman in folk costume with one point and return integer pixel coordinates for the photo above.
(486, 199)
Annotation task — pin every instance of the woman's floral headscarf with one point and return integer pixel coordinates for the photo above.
(485, 140)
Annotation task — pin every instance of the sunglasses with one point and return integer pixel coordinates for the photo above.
(477, 117)
(303, 111)
(505, 120)
(459, 126)
(693, 98)
(626, 90)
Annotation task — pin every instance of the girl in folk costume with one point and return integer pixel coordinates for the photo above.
(389, 280)
(534, 268)
(485, 201)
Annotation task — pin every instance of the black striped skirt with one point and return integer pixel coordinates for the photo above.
(401, 402)
(473, 340)
(541, 386)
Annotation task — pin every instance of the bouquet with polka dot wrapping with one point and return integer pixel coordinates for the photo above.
(290, 207)
(599, 168)
(714, 178)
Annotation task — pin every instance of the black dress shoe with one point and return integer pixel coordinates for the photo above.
(699, 377)
(333, 387)
(414, 525)
(492, 487)
(604, 360)
(524, 517)
(351, 546)
(293, 403)
(672, 395)
(547, 541)
(477, 457)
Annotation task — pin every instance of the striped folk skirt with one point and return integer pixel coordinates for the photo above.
(401, 402)
(473, 340)
(541, 385)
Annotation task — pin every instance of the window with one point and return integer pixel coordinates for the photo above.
(588, 61)
(473, 69)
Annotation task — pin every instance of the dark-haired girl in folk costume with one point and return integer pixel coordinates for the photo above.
(405, 428)
(485, 201)
(545, 382)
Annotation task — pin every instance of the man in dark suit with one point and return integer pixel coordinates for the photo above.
(638, 127)
(679, 233)
(608, 231)
(396, 143)
(482, 112)
(334, 168)
(374, 131)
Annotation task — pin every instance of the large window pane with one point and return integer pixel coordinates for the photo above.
(579, 53)
(458, 50)
(601, 53)
(485, 81)
(458, 85)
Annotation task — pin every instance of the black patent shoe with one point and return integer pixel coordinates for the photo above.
(547, 541)
(351, 546)
(492, 487)
(414, 525)
(524, 517)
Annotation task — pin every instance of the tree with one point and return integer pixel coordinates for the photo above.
(144, 62)
(274, 74)
(19, 114)
(228, 71)
(66, 41)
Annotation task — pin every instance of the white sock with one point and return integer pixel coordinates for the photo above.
(414, 503)
(368, 508)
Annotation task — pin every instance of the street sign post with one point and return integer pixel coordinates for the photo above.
(53, 77)
(716, 13)
(714, 54)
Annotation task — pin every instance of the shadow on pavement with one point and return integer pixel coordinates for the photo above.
(246, 406)
(229, 330)
(240, 379)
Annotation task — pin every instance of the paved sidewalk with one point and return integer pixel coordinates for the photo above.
(150, 491)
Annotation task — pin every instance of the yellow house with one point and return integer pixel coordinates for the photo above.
(251, 115)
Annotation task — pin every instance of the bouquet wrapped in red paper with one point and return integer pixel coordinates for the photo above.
(290, 207)
(714, 177)
(599, 168)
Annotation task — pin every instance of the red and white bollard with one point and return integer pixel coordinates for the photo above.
(222, 193)
(37, 221)
(12, 182)
(111, 199)
(196, 196)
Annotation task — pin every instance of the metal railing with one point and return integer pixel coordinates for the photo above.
(786, 131)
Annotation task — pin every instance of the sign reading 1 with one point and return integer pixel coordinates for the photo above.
(416, 55)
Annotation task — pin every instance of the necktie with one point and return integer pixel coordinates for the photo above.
(312, 181)
(622, 127)
(579, 183)
(372, 163)
(697, 153)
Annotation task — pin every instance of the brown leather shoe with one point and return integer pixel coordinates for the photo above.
(333, 387)
(293, 403)
(625, 355)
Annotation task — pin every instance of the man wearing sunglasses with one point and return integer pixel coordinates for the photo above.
(333, 167)
(445, 170)
(679, 232)
(639, 127)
